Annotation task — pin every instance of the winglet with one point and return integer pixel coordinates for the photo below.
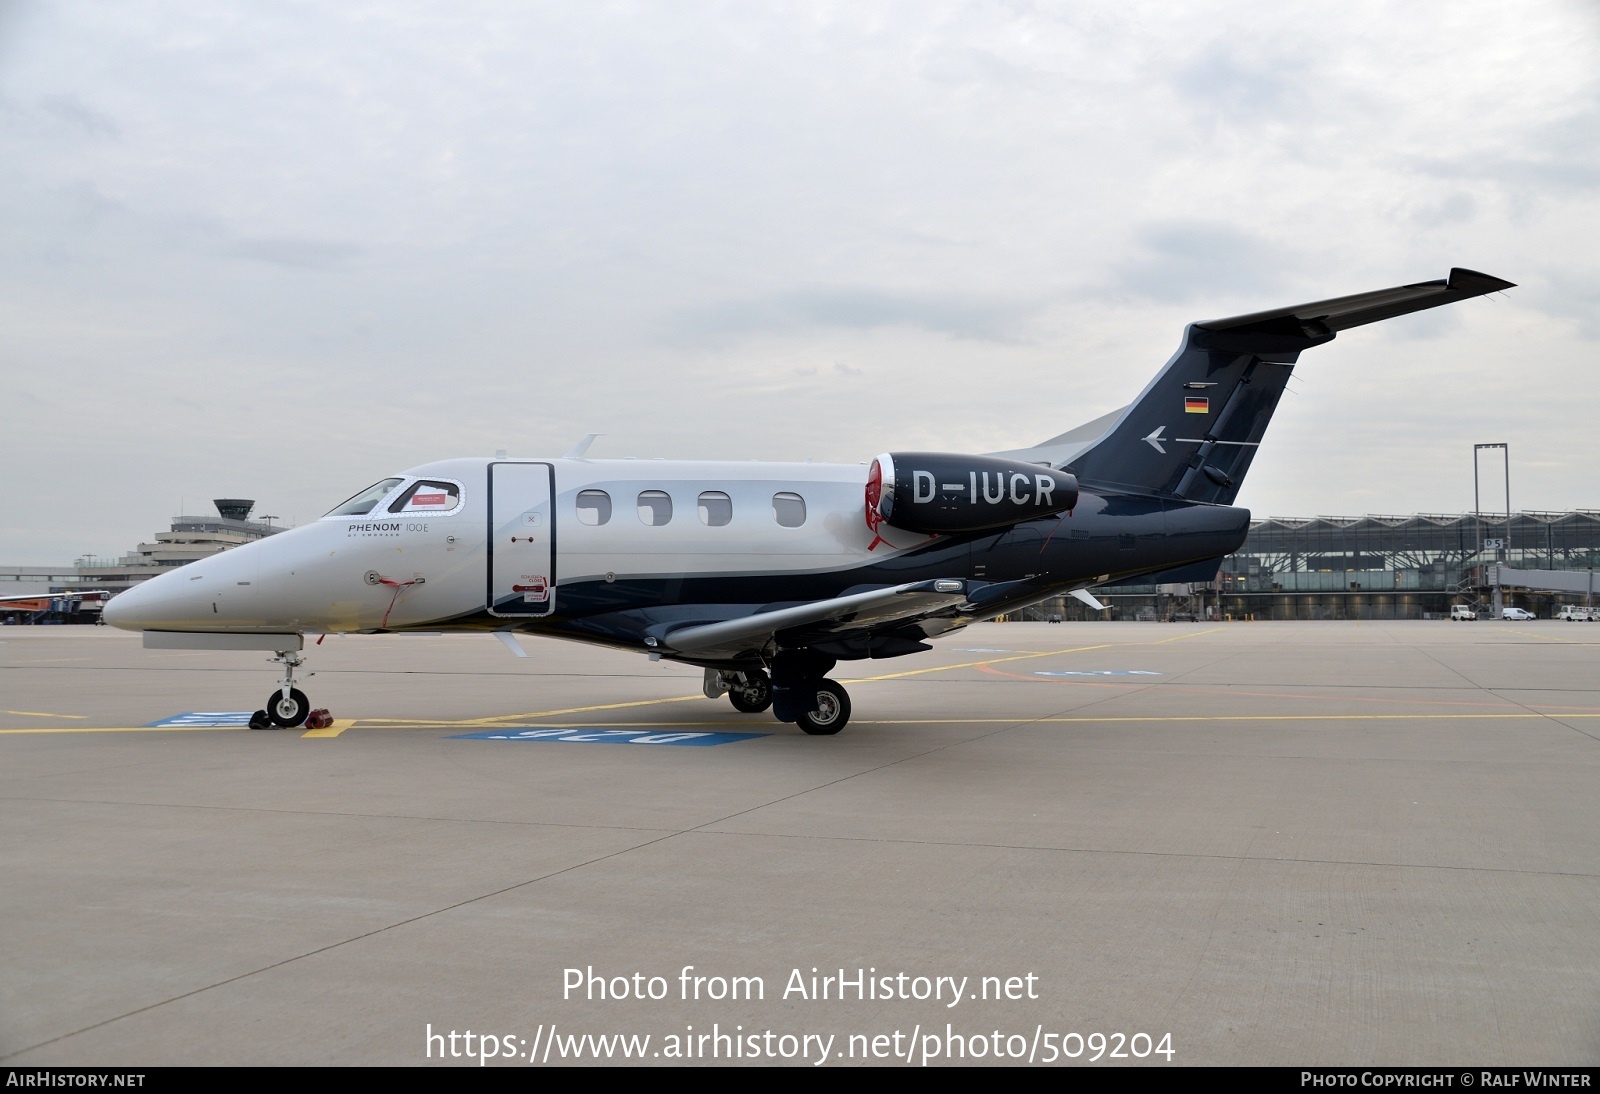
(509, 641)
(1088, 598)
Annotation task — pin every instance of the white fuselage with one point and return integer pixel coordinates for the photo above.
(510, 535)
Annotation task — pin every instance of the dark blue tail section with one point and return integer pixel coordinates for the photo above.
(1194, 430)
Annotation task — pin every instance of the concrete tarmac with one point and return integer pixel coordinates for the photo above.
(1270, 843)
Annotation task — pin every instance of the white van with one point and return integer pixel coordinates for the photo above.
(1517, 615)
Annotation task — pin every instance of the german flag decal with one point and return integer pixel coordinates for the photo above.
(1200, 405)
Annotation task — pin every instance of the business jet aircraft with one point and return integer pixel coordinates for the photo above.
(767, 574)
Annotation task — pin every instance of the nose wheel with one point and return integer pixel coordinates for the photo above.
(287, 706)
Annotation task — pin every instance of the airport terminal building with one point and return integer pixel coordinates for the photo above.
(60, 593)
(189, 538)
(1382, 567)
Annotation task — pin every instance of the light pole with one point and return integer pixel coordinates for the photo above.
(1501, 544)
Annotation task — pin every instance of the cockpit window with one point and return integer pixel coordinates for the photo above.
(364, 502)
(427, 496)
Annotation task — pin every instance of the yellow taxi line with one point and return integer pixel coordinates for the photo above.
(493, 721)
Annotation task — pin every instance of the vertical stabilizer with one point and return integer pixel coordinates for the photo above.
(1194, 430)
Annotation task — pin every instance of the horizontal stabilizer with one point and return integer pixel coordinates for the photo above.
(1320, 320)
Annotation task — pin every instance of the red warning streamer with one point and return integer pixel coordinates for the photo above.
(399, 587)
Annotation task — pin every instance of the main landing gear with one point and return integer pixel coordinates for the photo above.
(750, 691)
(753, 694)
(797, 691)
(829, 707)
(287, 706)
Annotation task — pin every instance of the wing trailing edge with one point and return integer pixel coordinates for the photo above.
(842, 615)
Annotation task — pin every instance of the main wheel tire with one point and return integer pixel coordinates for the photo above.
(830, 712)
(754, 695)
(290, 711)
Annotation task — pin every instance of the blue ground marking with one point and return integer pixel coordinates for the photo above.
(1099, 672)
(204, 718)
(601, 736)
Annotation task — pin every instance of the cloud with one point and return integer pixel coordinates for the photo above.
(1524, 173)
(977, 67)
(1575, 296)
(1229, 82)
(862, 309)
(1559, 154)
(1189, 260)
(74, 112)
(1456, 208)
(300, 254)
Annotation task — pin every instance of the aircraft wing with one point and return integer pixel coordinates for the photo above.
(824, 622)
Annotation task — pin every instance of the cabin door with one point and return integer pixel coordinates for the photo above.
(522, 539)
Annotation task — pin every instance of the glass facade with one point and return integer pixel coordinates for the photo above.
(1372, 567)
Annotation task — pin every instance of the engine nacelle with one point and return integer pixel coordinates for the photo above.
(936, 493)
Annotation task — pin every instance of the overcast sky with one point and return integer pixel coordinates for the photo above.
(279, 250)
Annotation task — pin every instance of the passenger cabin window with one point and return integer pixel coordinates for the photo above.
(363, 502)
(427, 496)
(655, 507)
(594, 507)
(716, 508)
(789, 509)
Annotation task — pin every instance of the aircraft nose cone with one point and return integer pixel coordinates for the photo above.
(115, 612)
(131, 609)
(170, 602)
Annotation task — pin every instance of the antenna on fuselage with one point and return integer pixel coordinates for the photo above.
(582, 446)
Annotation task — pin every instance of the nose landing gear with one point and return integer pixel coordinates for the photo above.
(287, 706)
